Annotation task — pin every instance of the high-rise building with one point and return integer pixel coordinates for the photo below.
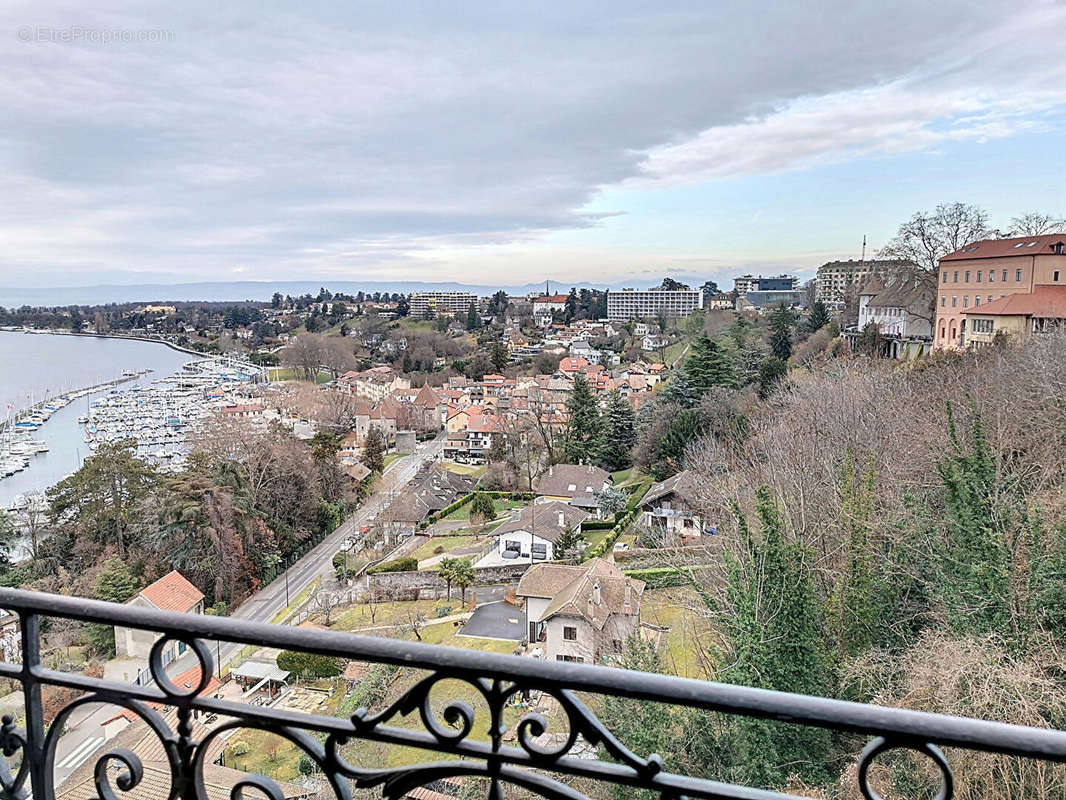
(776, 283)
(441, 303)
(649, 303)
(836, 277)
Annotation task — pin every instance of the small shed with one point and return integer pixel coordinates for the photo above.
(260, 676)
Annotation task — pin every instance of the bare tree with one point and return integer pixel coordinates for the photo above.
(929, 236)
(1033, 223)
(324, 602)
(305, 354)
(337, 356)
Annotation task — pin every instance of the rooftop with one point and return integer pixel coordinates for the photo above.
(1006, 248)
(1045, 302)
(172, 592)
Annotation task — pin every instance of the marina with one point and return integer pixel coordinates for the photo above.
(45, 440)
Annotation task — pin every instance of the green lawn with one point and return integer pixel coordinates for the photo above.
(287, 374)
(358, 615)
(428, 549)
(476, 470)
(690, 636)
(502, 507)
(392, 457)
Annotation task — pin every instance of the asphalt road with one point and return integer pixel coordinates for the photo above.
(84, 734)
(495, 621)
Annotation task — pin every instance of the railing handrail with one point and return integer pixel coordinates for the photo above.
(898, 724)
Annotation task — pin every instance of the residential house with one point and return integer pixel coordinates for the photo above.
(653, 341)
(172, 592)
(671, 506)
(993, 269)
(574, 484)
(899, 306)
(532, 532)
(580, 613)
(1017, 316)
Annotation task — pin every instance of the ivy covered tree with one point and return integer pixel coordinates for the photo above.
(776, 636)
(854, 605)
(980, 520)
(114, 584)
(771, 371)
(619, 433)
(584, 425)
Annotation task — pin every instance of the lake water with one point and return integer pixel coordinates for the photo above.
(33, 366)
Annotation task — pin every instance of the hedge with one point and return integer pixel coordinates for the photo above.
(597, 525)
(462, 501)
(621, 522)
(405, 564)
(309, 665)
(661, 577)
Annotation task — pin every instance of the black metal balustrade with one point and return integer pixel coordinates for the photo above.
(496, 677)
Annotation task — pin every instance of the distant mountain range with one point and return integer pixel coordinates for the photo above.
(235, 291)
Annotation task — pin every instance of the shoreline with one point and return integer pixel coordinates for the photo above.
(164, 342)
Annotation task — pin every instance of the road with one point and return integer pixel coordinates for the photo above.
(83, 730)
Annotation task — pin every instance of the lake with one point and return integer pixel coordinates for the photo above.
(36, 365)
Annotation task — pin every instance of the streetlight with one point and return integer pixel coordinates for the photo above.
(286, 584)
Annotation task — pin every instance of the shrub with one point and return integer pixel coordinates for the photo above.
(309, 665)
(240, 748)
(405, 564)
(660, 577)
(306, 764)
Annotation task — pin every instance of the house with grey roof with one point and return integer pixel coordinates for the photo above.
(580, 613)
(532, 532)
(671, 506)
(574, 483)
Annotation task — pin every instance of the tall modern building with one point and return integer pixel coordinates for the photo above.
(649, 303)
(836, 277)
(441, 303)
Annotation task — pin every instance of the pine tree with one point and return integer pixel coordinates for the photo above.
(584, 425)
(782, 321)
(684, 429)
(403, 306)
(570, 310)
(619, 435)
(777, 641)
(374, 450)
(819, 317)
(771, 371)
(707, 365)
(499, 356)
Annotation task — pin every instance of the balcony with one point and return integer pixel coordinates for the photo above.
(458, 743)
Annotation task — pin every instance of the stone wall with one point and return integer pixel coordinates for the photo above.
(426, 584)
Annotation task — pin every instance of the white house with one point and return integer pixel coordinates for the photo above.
(902, 307)
(532, 532)
(580, 613)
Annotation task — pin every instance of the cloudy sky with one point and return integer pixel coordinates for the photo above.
(510, 142)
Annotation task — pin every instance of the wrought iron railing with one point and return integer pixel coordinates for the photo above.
(496, 678)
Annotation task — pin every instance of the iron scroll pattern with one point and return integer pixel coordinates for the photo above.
(452, 730)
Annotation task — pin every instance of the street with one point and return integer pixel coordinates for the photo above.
(84, 734)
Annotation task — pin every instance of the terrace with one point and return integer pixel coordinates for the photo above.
(456, 740)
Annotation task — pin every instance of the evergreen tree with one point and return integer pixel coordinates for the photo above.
(684, 429)
(473, 319)
(979, 513)
(776, 641)
(584, 425)
(782, 321)
(9, 537)
(771, 371)
(115, 584)
(499, 356)
(819, 317)
(707, 365)
(483, 505)
(619, 433)
(403, 305)
(569, 544)
(570, 310)
(374, 450)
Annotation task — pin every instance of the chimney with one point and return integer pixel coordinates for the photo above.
(596, 597)
(629, 593)
(590, 469)
(562, 520)
(551, 470)
(516, 513)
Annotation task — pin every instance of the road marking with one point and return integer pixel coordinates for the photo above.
(80, 753)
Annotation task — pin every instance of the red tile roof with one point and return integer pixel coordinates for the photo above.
(554, 298)
(1003, 248)
(1045, 302)
(173, 592)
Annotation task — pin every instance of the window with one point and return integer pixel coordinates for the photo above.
(1055, 276)
(942, 331)
(574, 659)
(570, 633)
(954, 301)
(571, 487)
(512, 546)
(944, 277)
(540, 551)
(956, 276)
(1004, 275)
(991, 276)
(1018, 274)
(967, 276)
(617, 645)
(977, 300)
(978, 276)
(965, 302)
(982, 326)
(990, 298)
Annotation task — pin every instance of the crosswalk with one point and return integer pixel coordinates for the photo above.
(80, 753)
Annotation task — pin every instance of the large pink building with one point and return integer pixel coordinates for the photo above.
(985, 271)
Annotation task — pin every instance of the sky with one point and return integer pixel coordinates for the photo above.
(510, 142)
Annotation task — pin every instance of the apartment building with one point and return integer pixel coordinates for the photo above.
(1008, 285)
(441, 303)
(636, 303)
(836, 277)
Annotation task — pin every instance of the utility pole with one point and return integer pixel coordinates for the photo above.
(286, 584)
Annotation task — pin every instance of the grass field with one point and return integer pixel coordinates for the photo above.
(287, 374)
(502, 507)
(477, 470)
(447, 542)
(392, 457)
(691, 635)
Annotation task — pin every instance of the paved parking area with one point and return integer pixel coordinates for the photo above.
(495, 621)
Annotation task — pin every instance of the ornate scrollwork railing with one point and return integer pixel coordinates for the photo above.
(495, 678)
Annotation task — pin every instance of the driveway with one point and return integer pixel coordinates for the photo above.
(496, 621)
